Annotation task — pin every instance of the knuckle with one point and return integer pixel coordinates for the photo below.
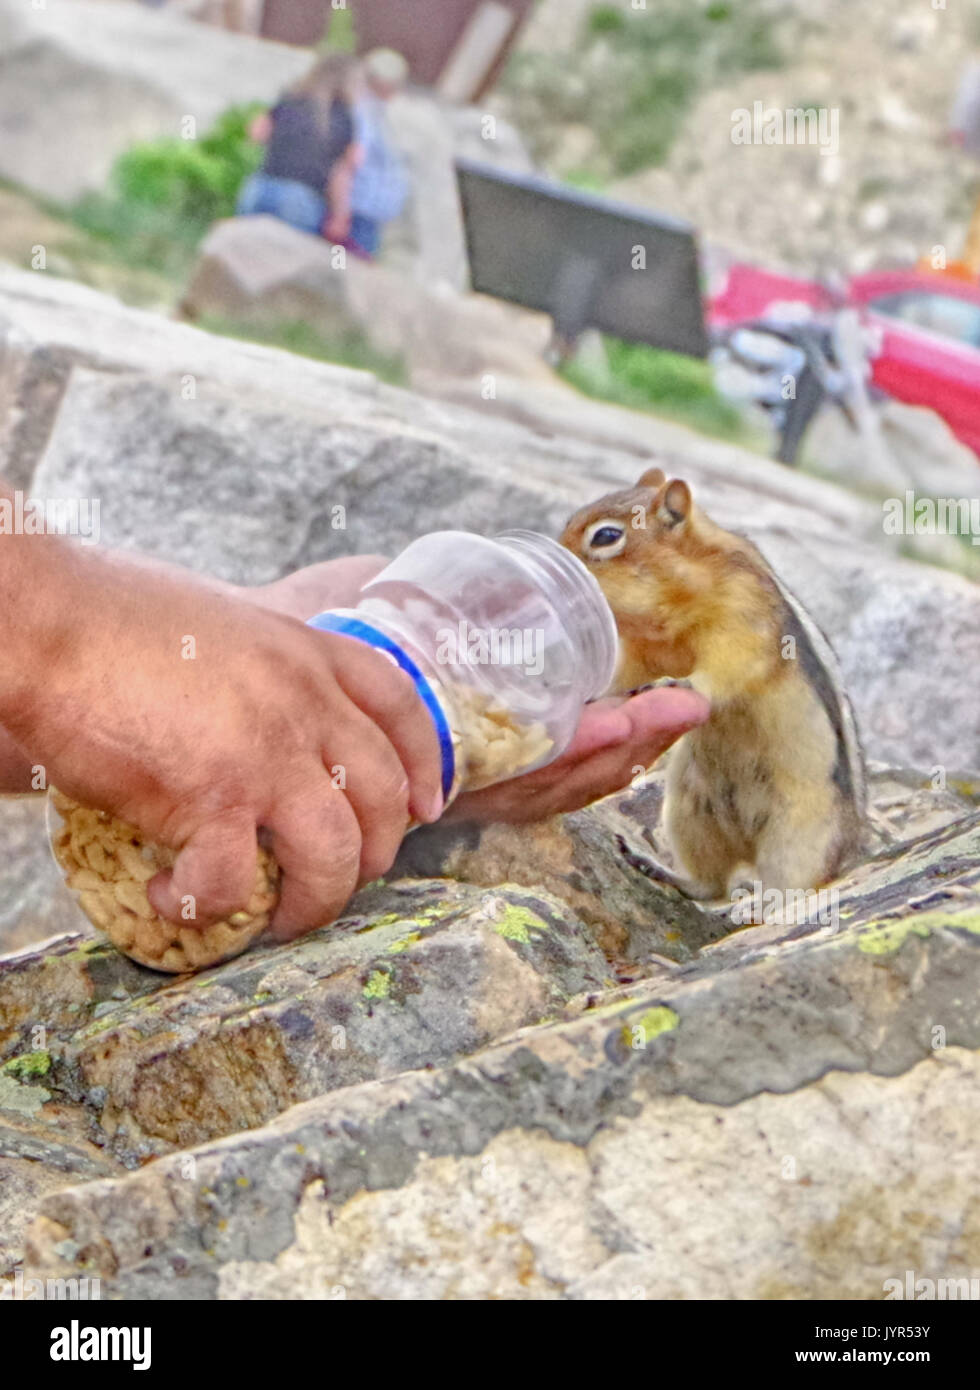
(379, 789)
(376, 859)
(380, 847)
(339, 837)
(390, 792)
(214, 894)
(400, 699)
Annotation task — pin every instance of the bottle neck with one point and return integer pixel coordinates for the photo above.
(574, 593)
(348, 622)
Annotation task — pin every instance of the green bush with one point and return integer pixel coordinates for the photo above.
(606, 19)
(164, 194)
(198, 180)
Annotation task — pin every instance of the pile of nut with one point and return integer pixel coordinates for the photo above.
(108, 864)
(490, 743)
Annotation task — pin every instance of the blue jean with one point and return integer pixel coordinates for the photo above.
(366, 232)
(296, 203)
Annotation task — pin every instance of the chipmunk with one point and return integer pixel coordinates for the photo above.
(770, 790)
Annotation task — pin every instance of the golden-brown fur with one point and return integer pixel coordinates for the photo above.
(769, 791)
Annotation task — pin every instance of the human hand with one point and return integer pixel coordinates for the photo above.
(329, 584)
(336, 228)
(180, 706)
(613, 740)
(615, 737)
(260, 128)
(16, 768)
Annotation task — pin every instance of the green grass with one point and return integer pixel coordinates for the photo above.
(585, 179)
(347, 349)
(636, 74)
(665, 383)
(103, 261)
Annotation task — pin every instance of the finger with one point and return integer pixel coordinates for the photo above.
(657, 718)
(653, 721)
(603, 725)
(317, 841)
(213, 874)
(612, 769)
(376, 786)
(666, 713)
(328, 584)
(387, 695)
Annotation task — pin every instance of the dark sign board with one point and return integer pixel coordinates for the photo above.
(587, 261)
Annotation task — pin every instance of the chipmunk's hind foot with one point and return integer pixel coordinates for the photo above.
(754, 901)
(659, 873)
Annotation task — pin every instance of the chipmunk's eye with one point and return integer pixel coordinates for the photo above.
(607, 537)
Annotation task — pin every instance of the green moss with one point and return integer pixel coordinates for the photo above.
(971, 790)
(90, 948)
(884, 938)
(101, 1025)
(517, 923)
(378, 985)
(654, 1022)
(30, 1064)
(22, 1099)
(434, 913)
(404, 942)
(386, 920)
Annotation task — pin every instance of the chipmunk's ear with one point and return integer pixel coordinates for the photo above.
(672, 505)
(653, 477)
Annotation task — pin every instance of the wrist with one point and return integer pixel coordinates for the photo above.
(41, 585)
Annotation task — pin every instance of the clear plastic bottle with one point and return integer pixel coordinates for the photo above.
(505, 638)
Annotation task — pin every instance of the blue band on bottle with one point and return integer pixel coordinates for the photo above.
(364, 632)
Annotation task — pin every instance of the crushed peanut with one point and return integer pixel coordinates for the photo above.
(107, 864)
(491, 743)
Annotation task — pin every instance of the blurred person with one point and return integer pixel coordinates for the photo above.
(964, 121)
(311, 152)
(379, 184)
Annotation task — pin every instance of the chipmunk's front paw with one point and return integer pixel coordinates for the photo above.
(746, 899)
(662, 684)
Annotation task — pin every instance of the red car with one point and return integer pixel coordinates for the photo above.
(925, 327)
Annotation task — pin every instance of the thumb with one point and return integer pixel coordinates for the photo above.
(212, 876)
